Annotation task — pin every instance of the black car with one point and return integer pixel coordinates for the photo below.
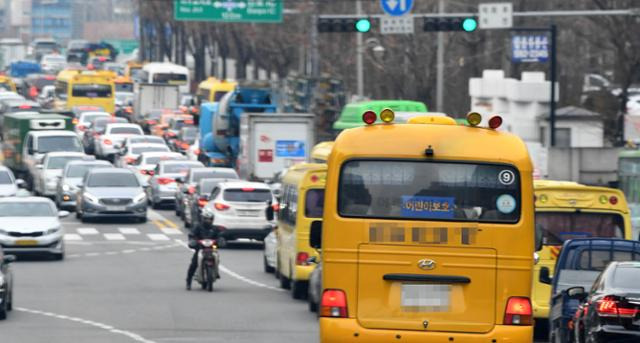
(610, 311)
(6, 284)
(96, 130)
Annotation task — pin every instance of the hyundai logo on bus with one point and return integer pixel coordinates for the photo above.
(426, 264)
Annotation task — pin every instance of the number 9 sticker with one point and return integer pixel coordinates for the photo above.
(506, 177)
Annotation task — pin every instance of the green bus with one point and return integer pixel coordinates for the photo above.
(351, 115)
(629, 183)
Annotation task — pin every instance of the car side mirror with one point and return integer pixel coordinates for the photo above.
(63, 214)
(577, 293)
(544, 276)
(9, 259)
(20, 183)
(315, 235)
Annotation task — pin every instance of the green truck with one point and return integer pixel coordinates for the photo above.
(33, 125)
(351, 115)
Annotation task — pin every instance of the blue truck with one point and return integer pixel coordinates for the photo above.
(220, 123)
(24, 68)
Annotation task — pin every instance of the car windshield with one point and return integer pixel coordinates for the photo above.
(627, 278)
(112, 180)
(175, 168)
(5, 178)
(91, 90)
(247, 195)
(26, 209)
(59, 162)
(558, 227)
(141, 149)
(79, 170)
(314, 203)
(125, 131)
(429, 191)
(59, 143)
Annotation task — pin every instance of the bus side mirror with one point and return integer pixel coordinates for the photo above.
(544, 276)
(315, 235)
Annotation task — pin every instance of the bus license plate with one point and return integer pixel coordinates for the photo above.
(26, 242)
(427, 298)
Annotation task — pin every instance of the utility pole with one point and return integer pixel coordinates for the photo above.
(440, 65)
(553, 76)
(359, 57)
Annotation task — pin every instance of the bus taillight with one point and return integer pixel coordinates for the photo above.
(333, 304)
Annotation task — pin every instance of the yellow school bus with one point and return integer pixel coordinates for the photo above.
(133, 69)
(566, 210)
(213, 89)
(320, 152)
(7, 83)
(301, 203)
(85, 88)
(427, 233)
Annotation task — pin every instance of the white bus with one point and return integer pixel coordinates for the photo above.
(166, 73)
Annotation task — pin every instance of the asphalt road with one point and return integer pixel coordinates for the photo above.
(125, 282)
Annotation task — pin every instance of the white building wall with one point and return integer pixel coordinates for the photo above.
(584, 133)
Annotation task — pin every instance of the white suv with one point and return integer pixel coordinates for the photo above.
(114, 134)
(238, 209)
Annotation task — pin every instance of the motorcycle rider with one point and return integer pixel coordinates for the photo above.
(201, 232)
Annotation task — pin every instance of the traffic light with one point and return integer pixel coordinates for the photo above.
(344, 25)
(467, 24)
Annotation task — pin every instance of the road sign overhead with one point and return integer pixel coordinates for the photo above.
(529, 48)
(396, 7)
(264, 11)
(498, 15)
(396, 25)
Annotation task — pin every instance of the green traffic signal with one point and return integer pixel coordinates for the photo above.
(469, 24)
(363, 25)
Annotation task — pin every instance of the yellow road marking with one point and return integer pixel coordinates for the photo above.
(170, 224)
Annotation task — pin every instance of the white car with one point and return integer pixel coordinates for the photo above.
(142, 139)
(145, 165)
(31, 225)
(239, 210)
(114, 135)
(270, 244)
(47, 173)
(8, 183)
(633, 104)
(53, 63)
(39, 142)
(85, 120)
(130, 154)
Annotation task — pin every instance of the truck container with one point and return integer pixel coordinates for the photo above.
(151, 96)
(272, 142)
(15, 129)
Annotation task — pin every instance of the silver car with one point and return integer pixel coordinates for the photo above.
(31, 225)
(71, 178)
(162, 185)
(111, 193)
(47, 173)
(8, 183)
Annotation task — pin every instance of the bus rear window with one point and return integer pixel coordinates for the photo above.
(91, 91)
(558, 227)
(417, 190)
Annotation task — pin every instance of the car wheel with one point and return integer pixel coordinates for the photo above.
(83, 219)
(299, 289)
(10, 301)
(3, 310)
(267, 268)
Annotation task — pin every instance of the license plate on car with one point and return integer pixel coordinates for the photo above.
(115, 208)
(26, 242)
(426, 298)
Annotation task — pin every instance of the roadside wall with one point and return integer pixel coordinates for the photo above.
(591, 166)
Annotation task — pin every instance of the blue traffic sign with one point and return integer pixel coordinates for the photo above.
(396, 7)
(529, 48)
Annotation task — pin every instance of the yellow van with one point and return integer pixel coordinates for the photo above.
(566, 210)
(427, 233)
(85, 88)
(301, 203)
(320, 152)
(213, 89)
(7, 83)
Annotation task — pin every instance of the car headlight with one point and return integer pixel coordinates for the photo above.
(53, 230)
(91, 198)
(140, 198)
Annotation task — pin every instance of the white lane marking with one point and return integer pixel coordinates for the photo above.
(87, 231)
(114, 236)
(129, 231)
(134, 336)
(171, 231)
(72, 237)
(91, 254)
(236, 275)
(128, 251)
(157, 237)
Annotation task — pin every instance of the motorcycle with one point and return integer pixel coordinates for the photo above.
(208, 261)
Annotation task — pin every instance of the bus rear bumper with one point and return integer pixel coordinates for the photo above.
(348, 330)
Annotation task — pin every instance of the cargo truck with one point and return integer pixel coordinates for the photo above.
(272, 142)
(150, 96)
